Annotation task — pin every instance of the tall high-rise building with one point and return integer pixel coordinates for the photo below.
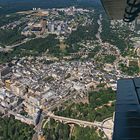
(51, 27)
(59, 29)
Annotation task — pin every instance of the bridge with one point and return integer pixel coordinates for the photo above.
(81, 123)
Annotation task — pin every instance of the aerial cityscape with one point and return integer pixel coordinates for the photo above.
(59, 69)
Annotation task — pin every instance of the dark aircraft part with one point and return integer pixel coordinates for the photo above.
(132, 10)
(115, 9)
(127, 110)
(128, 10)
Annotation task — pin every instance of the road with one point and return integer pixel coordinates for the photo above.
(98, 35)
(108, 123)
(38, 129)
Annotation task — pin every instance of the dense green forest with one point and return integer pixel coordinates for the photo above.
(131, 70)
(109, 58)
(33, 48)
(11, 129)
(5, 19)
(108, 35)
(83, 33)
(97, 109)
(61, 131)
(118, 36)
(86, 134)
(41, 45)
(9, 37)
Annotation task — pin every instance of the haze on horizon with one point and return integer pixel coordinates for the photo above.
(11, 6)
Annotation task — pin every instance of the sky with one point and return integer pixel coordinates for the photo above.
(34, 1)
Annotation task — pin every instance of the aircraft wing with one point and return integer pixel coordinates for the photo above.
(127, 112)
(122, 9)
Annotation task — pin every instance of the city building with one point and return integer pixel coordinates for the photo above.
(18, 89)
(5, 72)
(51, 27)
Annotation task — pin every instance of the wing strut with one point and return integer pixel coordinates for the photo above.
(132, 10)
